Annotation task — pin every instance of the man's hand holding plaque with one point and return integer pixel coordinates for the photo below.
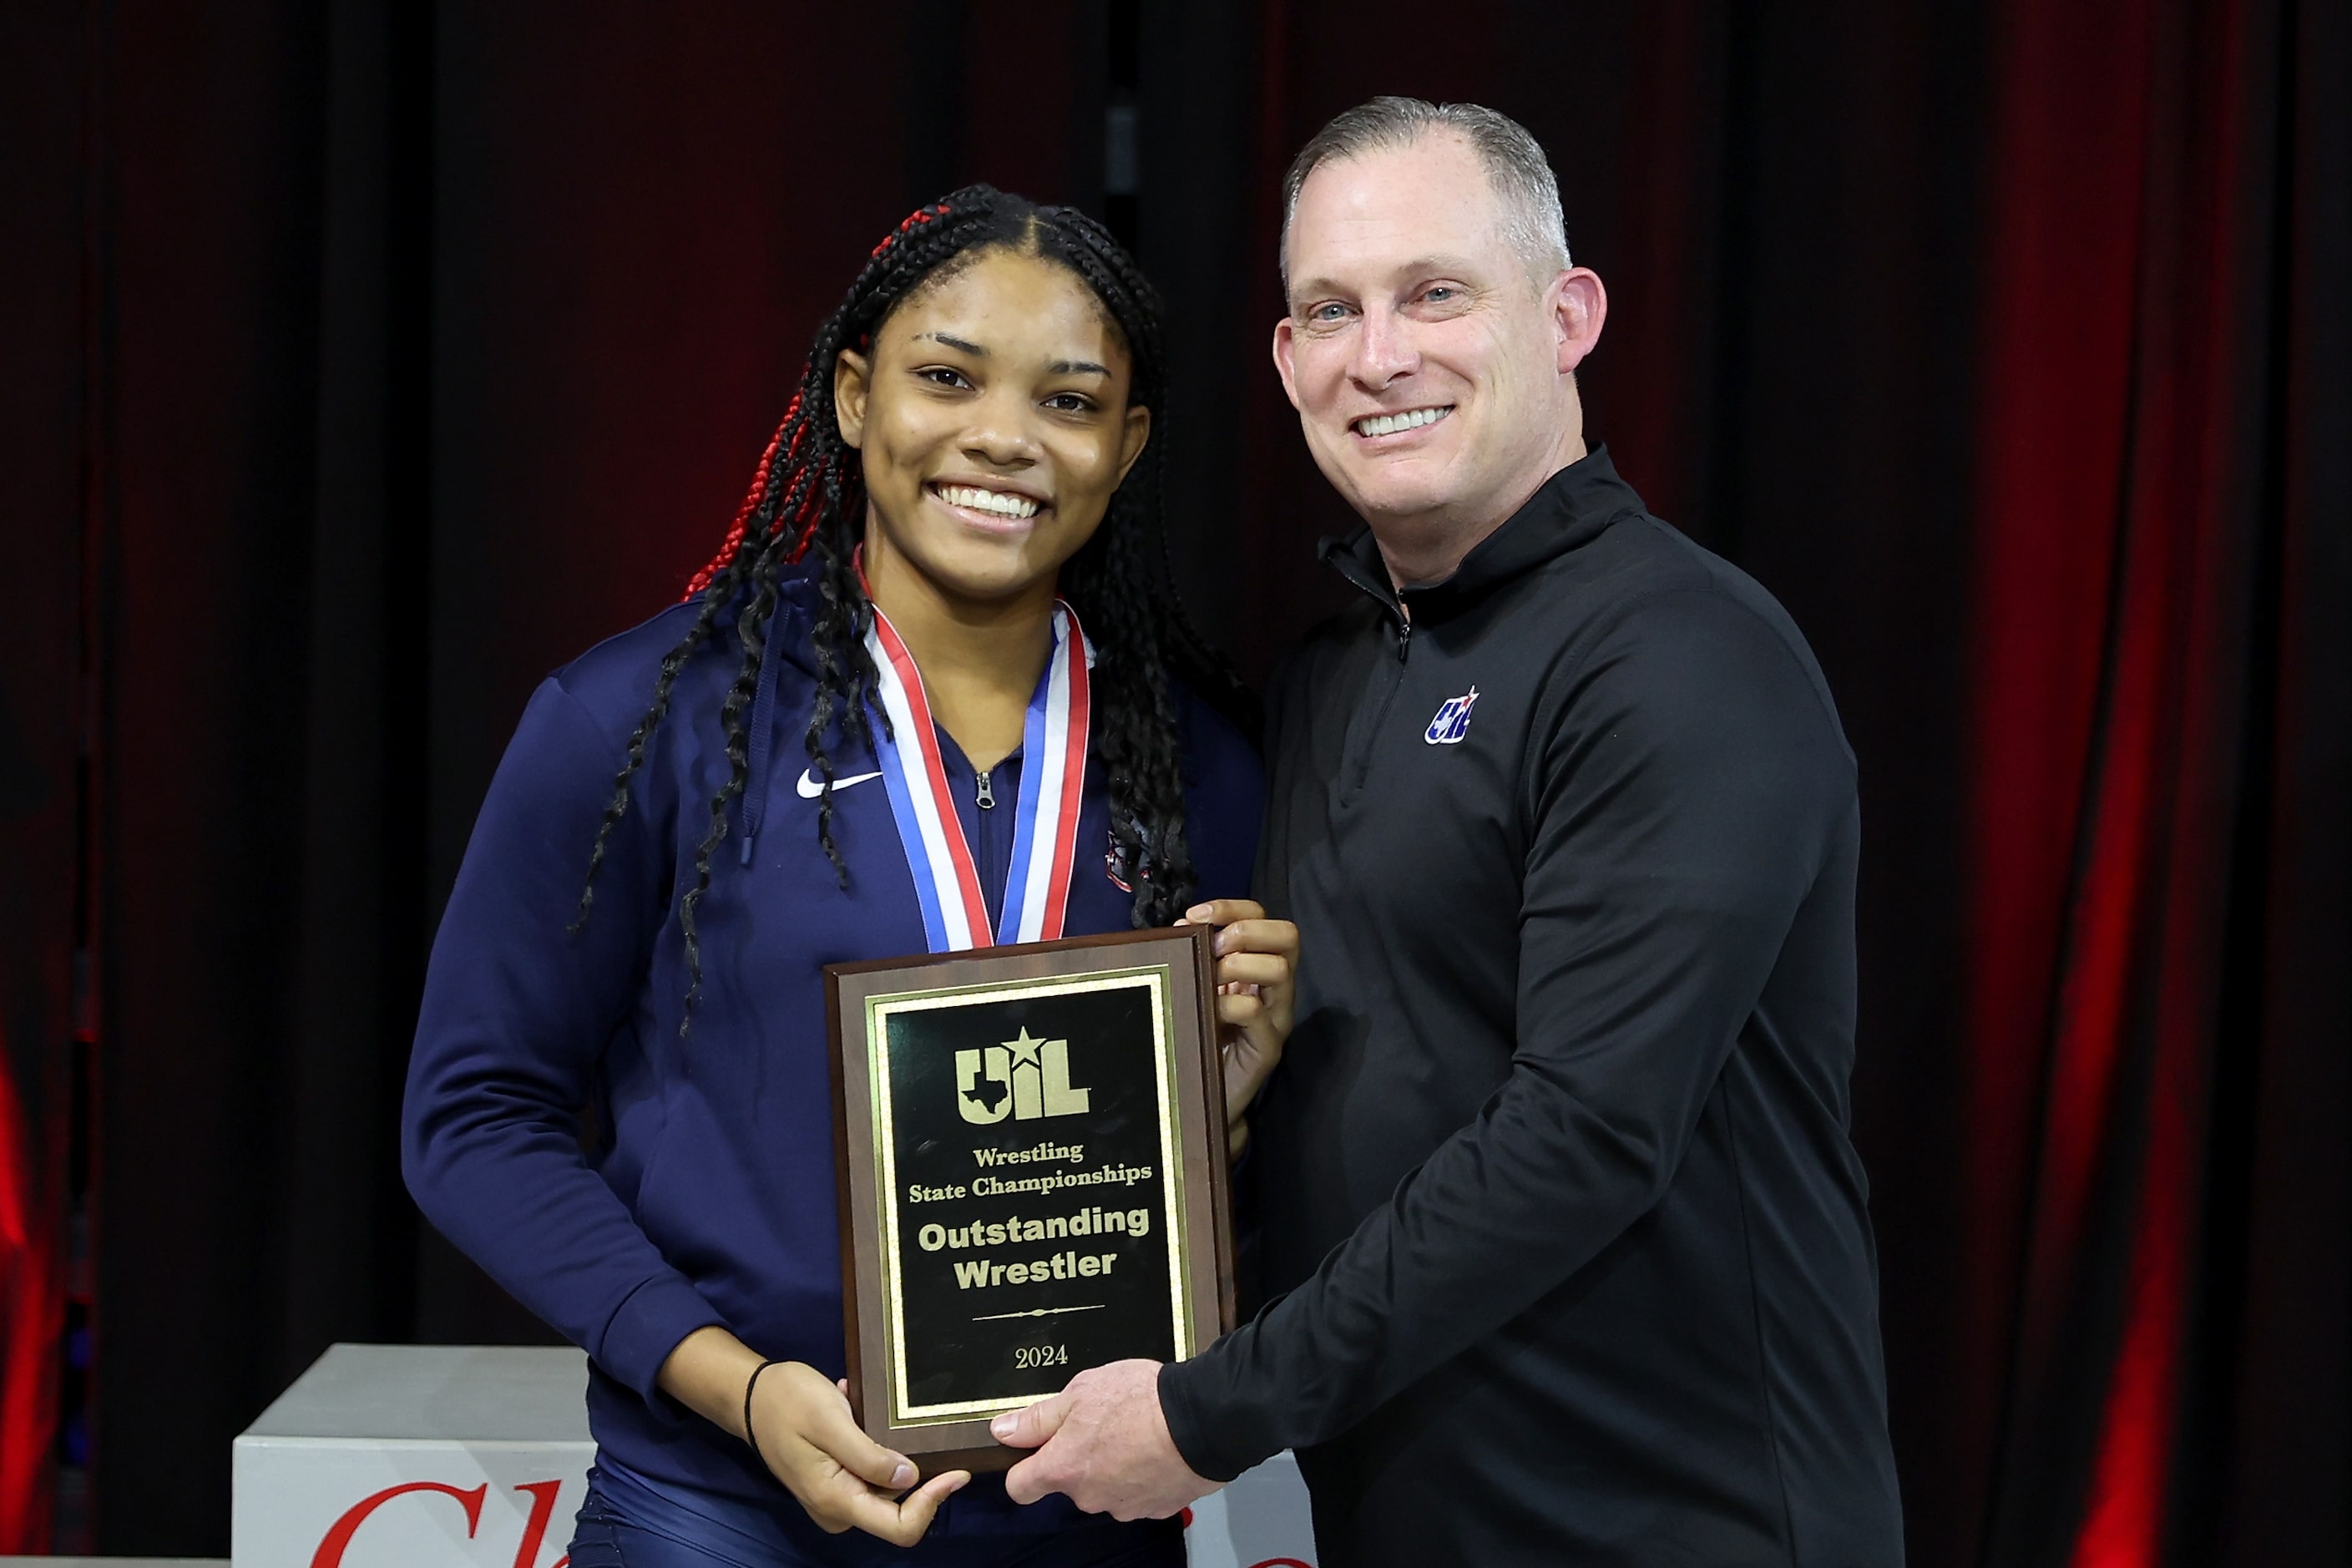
(1104, 1442)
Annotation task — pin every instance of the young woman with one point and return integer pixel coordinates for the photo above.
(619, 1102)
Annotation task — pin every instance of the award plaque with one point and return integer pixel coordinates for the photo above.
(1032, 1142)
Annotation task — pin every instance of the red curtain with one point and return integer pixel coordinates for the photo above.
(377, 358)
(2147, 527)
(42, 500)
(32, 1321)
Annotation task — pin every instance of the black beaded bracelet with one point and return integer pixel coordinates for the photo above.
(748, 1388)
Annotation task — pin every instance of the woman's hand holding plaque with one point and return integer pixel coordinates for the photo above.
(1257, 973)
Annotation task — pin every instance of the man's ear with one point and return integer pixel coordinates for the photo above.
(1282, 347)
(1578, 305)
(853, 378)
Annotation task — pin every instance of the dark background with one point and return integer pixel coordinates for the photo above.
(358, 361)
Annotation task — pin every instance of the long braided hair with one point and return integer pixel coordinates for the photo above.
(809, 494)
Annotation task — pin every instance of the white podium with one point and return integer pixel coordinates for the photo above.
(415, 1457)
(476, 1457)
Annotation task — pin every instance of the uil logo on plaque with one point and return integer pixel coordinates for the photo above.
(1033, 1176)
(1027, 1079)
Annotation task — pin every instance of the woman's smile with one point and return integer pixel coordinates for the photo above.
(992, 507)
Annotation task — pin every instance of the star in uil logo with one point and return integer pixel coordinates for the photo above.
(1025, 1078)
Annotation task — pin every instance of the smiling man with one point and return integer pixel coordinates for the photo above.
(1568, 1244)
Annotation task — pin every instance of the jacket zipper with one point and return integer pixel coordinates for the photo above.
(1360, 765)
(989, 847)
(1356, 768)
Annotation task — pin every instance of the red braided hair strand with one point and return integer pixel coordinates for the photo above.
(734, 541)
(908, 224)
(788, 436)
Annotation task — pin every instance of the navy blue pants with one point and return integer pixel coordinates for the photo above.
(625, 1524)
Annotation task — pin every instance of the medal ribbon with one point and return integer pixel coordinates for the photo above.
(1052, 778)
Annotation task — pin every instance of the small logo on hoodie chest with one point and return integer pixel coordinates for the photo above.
(1453, 720)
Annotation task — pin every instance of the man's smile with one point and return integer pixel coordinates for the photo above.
(1373, 426)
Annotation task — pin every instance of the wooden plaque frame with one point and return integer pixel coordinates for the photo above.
(858, 996)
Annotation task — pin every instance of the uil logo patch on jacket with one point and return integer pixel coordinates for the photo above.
(1453, 721)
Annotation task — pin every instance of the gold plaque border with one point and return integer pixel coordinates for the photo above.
(1157, 978)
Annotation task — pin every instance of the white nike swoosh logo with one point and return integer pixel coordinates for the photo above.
(811, 787)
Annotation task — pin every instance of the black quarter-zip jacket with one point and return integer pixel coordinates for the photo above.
(1567, 1243)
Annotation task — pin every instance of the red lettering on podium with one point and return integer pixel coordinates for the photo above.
(338, 1539)
(534, 1530)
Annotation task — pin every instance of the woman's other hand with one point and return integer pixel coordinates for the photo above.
(1257, 973)
(810, 1441)
(802, 1430)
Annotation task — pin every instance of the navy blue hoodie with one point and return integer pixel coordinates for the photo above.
(629, 1186)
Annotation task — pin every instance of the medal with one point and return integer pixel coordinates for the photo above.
(1052, 776)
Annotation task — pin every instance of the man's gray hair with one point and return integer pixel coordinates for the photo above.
(1516, 168)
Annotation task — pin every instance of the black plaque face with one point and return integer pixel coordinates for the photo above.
(1030, 1187)
(1032, 1152)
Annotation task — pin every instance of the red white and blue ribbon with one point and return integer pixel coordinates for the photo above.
(1052, 778)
